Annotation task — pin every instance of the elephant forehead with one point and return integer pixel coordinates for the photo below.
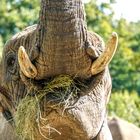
(20, 39)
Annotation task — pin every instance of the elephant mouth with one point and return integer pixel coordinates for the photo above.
(68, 112)
(53, 103)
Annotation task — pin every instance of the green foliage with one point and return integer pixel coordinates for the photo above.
(125, 65)
(16, 15)
(125, 105)
(97, 20)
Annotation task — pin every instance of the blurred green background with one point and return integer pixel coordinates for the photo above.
(15, 15)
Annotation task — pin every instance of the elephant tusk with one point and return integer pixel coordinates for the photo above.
(104, 59)
(26, 66)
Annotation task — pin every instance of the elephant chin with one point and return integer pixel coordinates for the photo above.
(62, 125)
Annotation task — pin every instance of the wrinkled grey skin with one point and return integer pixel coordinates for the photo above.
(57, 46)
(6, 130)
(120, 129)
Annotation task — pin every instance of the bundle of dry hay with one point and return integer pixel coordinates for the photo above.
(28, 114)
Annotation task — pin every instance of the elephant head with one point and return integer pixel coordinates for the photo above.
(60, 44)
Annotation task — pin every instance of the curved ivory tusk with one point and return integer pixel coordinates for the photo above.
(28, 69)
(100, 63)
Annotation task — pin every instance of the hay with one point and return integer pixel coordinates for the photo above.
(61, 81)
(28, 114)
(25, 118)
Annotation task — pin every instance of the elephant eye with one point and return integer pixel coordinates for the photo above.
(11, 62)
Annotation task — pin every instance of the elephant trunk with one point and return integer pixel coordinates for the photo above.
(61, 38)
(60, 20)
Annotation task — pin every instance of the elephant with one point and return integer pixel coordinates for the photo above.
(123, 130)
(60, 44)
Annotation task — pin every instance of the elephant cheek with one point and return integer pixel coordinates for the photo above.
(90, 112)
